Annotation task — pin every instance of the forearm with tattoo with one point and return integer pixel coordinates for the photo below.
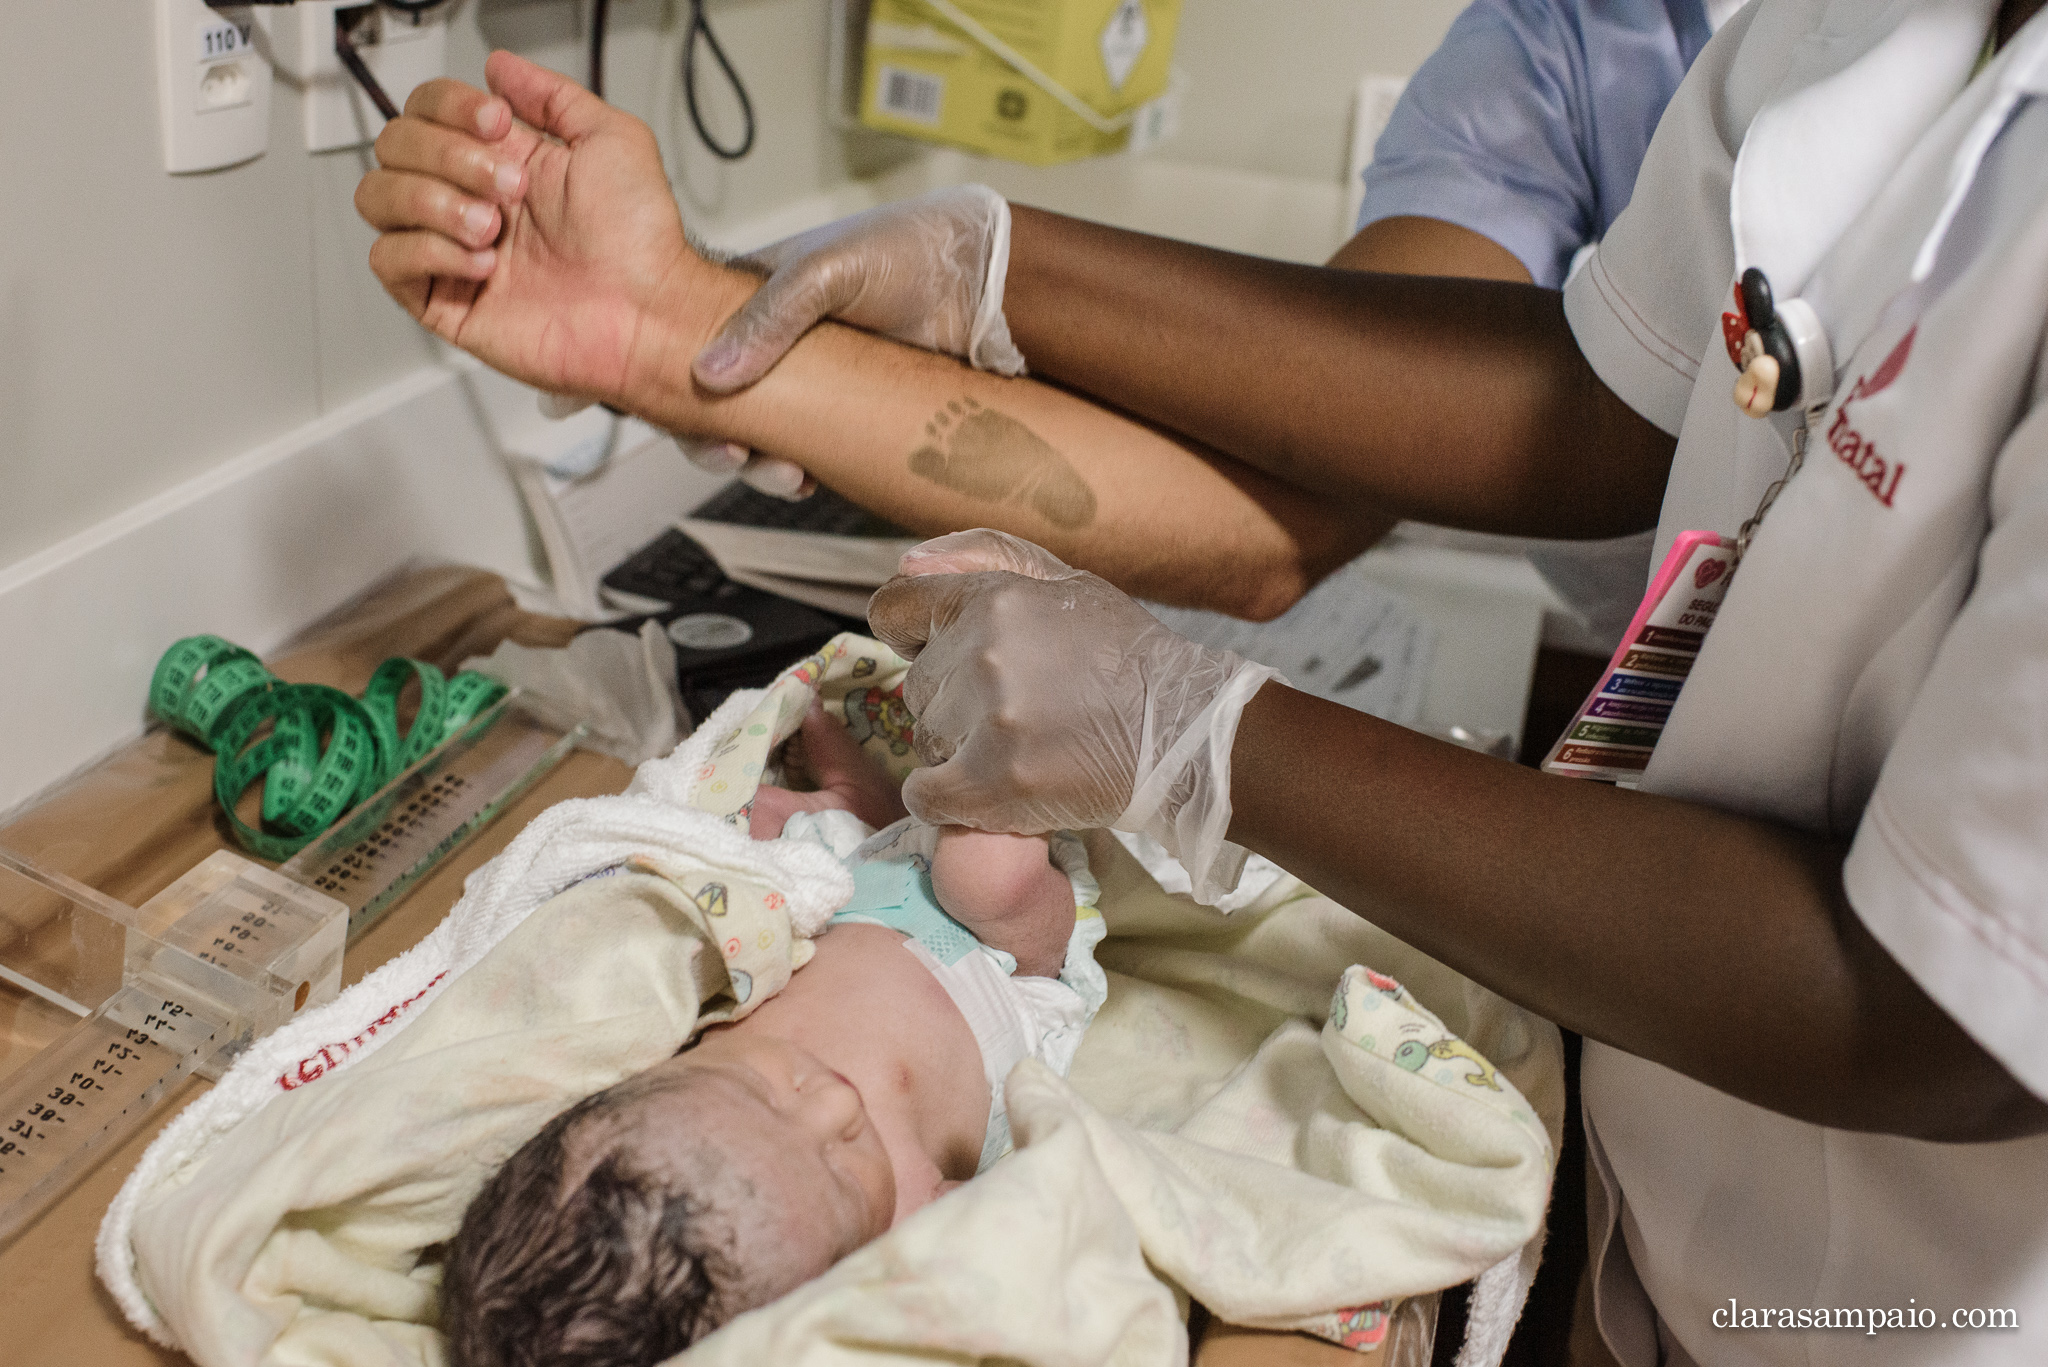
(989, 456)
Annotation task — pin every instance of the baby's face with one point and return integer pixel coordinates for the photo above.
(798, 1164)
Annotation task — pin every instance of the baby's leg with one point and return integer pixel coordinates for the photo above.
(1007, 890)
(848, 781)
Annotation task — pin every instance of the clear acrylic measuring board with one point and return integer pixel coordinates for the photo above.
(379, 851)
(110, 1006)
(227, 953)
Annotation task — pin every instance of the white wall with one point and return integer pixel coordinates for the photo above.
(1271, 82)
(153, 327)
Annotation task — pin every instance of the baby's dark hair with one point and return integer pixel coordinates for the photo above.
(620, 1272)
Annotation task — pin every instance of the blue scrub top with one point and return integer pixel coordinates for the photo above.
(1528, 124)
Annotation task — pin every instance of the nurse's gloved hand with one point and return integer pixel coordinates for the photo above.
(928, 271)
(1047, 700)
(784, 479)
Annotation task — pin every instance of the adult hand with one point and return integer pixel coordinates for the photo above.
(532, 227)
(928, 271)
(1046, 699)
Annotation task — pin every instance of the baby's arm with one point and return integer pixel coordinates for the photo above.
(1007, 890)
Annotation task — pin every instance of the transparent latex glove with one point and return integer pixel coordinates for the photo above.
(1046, 700)
(928, 271)
(784, 479)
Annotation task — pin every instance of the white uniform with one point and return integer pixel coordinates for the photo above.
(1880, 666)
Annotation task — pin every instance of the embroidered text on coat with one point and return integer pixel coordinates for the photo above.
(1858, 452)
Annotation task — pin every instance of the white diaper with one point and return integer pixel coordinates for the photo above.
(1013, 1018)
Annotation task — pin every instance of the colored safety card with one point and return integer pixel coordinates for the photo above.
(1617, 727)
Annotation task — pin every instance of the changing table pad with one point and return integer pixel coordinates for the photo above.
(1257, 1118)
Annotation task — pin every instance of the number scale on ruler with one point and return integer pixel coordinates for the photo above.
(110, 1069)
(227, 953)
(377, 854)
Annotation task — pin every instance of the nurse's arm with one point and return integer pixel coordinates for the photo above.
(1464, 402)
(1414, 244)
(938, 447)
(1134, 467)
(561, 260)
(1720, 946)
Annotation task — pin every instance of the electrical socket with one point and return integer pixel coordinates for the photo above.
(213, 86)
(401, 50)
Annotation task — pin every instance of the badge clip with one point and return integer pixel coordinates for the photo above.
(1780, 348)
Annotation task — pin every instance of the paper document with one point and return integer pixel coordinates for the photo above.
(1350, 641)
(591, 520)
(861, 561)
(848, 600)
(824, 551)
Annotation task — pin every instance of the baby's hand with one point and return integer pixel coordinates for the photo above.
(1007, 890)
(848, 781)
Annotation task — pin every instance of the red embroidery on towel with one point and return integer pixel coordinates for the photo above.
(316, 1065)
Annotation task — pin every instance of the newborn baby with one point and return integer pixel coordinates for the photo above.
(766, 1150)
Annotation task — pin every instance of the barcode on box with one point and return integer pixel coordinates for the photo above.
(911, 95)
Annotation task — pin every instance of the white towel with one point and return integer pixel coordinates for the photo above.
(1292, 1142)
(564, 844)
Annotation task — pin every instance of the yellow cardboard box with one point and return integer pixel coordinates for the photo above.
(989, 75)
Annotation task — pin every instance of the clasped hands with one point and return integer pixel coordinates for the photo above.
(559, 203)
(532, 226)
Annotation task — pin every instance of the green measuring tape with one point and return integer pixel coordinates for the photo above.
(325, 751)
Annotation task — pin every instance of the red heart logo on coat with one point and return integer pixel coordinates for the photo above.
(1708, 572)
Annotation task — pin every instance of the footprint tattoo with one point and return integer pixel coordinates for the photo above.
(988, 455)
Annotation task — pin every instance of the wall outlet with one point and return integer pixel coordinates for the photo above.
(401, 51)
(213, 86)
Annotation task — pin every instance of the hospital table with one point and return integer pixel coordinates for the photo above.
(134, 823)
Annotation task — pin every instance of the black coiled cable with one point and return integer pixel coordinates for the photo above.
(700, 28)
(600, 11)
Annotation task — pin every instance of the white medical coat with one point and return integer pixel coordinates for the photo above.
(1879, 669)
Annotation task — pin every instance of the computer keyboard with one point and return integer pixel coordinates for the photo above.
(726, 635)
(669, 569)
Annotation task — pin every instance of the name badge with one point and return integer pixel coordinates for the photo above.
(1616, 728)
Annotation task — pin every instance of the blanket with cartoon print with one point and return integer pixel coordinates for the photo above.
(1256, 1119)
